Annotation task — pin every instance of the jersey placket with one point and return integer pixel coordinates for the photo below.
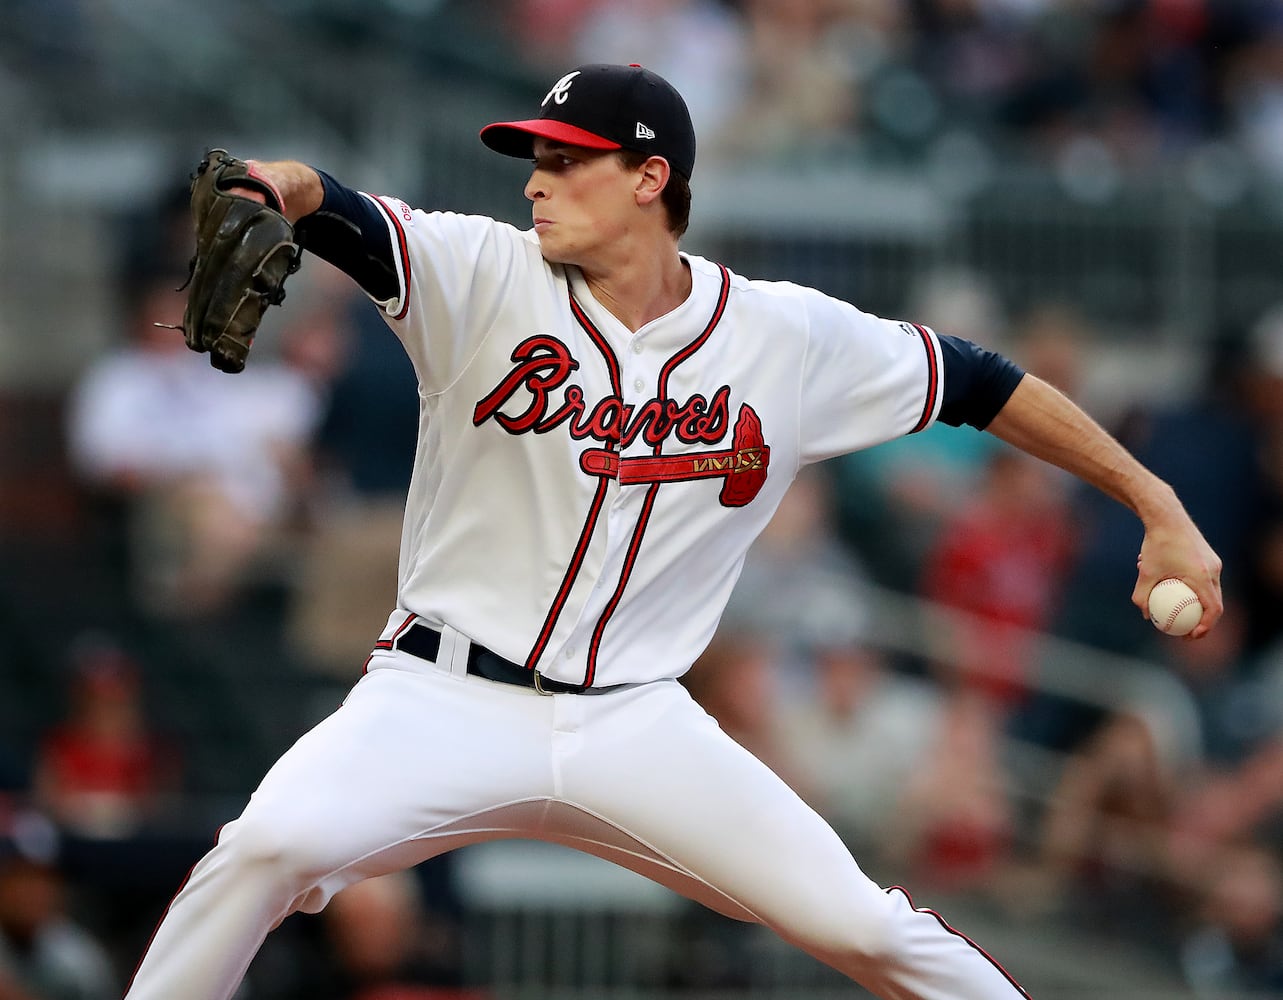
(629, 512)
(610, 517)
(637, 372)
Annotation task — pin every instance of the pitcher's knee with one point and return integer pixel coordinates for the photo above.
(863, 934)
(281, 852)
(875, 938)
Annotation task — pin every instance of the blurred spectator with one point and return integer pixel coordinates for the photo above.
(962, 302)
(102, 772)
(1101, 841)
(1232, 690)
(977, 52)
(1236, 945)
(792, 675)
(858, 735)
(44, 953)
(1123, 80)
(364, 449)
(362, 397)
(1001, 557)
(1225, 490)
(802, 88)
(1226, 808)
(1261, 391)
(1139, 811)
(311, 338)
(1253, 88)
(204, 465)
(1051, 340)
(1137, 79)
(763, 77)
(799, 585)
(893, 498)
(954, 823)
(700, 46)
(545, 30)
(387, 947)
(1260, 381)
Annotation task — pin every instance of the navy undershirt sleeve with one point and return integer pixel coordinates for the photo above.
(977, 383)
(352, 234)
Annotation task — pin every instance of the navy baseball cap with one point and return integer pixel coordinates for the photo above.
(602, 106)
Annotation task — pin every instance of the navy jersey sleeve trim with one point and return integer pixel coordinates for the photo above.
(977, 383)
(352, 234)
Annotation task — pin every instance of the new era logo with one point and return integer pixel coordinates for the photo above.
(644, 133)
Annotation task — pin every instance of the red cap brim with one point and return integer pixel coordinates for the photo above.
(518, 138)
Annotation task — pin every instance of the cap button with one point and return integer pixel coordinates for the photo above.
(634, 66)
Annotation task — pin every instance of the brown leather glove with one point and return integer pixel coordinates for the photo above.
(244, 252)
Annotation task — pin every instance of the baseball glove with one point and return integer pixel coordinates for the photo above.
(244, 253)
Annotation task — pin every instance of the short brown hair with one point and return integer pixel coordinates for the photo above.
(676, 196)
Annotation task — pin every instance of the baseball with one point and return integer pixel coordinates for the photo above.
(1173, 607)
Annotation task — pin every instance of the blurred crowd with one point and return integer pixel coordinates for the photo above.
(1085, 85)
(946, 760)
(1144, 797)
(1130, 82)
(950, 758)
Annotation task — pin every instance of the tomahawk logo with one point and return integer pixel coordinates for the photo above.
(560, 90)
(741, 468)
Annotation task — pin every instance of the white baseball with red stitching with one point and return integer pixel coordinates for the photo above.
(1174, 608)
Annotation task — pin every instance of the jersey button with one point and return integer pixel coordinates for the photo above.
(637, 347)
(638, 384)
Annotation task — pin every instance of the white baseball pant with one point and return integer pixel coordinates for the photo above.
(422, 759)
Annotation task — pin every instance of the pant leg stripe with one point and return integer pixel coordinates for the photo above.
(957, 933)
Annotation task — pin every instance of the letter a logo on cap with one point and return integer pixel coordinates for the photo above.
(560, 90)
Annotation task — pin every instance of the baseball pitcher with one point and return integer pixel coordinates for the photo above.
(606, 424)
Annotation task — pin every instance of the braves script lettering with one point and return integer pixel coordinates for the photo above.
(542, 366)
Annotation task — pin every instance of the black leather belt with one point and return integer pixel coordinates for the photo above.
(424, 642)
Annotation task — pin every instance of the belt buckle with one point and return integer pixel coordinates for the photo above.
(539, 684)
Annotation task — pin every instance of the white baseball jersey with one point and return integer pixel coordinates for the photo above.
(582, 500)
(583, 495)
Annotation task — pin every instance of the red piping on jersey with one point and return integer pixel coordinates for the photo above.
(933, 380)
(572, 571)
(389, 643)
(598, 501)
(629, 561)
(649, 504)
(957, 933)
(404, 253)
